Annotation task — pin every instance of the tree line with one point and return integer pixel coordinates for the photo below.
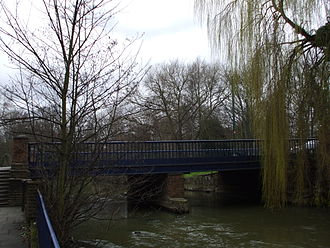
(171, 101)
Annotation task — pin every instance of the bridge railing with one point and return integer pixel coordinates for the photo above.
(157, 152)
(303, 145)
(46, 235)
(119, 152)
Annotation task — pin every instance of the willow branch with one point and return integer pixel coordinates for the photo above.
(299, 29)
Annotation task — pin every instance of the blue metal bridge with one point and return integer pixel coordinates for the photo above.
(154, 157)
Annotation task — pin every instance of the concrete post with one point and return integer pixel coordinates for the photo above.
(30, 199)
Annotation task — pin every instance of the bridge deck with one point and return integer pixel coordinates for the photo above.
(153, 156)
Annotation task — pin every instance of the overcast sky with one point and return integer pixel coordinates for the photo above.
(169, 31)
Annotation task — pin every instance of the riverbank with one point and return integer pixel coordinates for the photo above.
(206, 182)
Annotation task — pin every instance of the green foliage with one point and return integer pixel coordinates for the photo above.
(33, 236)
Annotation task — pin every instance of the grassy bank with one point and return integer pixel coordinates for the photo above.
(194, 174)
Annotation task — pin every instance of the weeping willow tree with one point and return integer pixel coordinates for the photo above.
(283, 47)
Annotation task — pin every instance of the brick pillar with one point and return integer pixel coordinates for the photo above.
(173, 194)
(20, 150)
(174, 186)
(19, 170)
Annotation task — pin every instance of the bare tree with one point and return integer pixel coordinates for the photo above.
(177, 99)
(74, 76)
(239, 105)
(208, 92)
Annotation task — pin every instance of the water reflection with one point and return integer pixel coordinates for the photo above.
(214, 223)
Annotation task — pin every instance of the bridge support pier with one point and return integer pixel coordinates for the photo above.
(172, 197)
(164, 190)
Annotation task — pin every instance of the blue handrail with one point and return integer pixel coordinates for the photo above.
(46, 234)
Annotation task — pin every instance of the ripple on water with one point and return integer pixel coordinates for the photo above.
(174, 237)
(309, 228)
(258, 244)
(98, 243)
(231, 227)
(148, 239)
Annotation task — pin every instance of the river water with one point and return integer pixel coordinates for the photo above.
(213, 222)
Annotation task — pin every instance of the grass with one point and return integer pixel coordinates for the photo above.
(194, 174)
